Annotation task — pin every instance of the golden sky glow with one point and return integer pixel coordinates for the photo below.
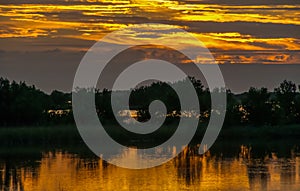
(90, 20)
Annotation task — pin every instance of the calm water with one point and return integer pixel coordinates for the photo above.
(226, 167)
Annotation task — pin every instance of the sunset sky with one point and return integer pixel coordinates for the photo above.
(46, 39)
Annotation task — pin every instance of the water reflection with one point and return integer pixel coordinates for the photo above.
(66, 171)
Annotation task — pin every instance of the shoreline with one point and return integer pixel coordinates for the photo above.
(69, 135)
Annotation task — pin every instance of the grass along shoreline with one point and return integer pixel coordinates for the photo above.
(69, 135)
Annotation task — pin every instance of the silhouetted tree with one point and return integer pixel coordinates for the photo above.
(5, 100)
(258, 105)
(297, 106)
(21, 104)
(60, 100)
(285, 95)
(233, 113)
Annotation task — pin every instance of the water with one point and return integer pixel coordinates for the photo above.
(228, 166)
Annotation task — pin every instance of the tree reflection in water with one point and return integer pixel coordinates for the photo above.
(240, 168)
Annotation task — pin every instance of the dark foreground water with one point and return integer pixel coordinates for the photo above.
(227, 166)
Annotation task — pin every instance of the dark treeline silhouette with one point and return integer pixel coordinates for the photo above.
(259, 106)
(141, 97)
(21, 104)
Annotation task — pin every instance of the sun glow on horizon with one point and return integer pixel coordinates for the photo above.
(90, 20)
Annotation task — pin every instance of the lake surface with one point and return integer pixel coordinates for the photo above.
(228, 166)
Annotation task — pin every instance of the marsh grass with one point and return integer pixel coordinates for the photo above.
(68, 134)
(261, 132)
(45, 135)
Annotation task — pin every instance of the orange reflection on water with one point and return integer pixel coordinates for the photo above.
(59, 171)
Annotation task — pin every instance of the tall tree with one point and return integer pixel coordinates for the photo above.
(233, 114)
(258, 105)
(286, 94)
(4, 101)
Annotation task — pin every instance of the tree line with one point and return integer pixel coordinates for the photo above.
(21, 104)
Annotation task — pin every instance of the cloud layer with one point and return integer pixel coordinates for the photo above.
(236, 32)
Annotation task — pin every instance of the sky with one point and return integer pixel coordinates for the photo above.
(255, 42)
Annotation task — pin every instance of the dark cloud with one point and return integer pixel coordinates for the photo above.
(254, 56)
(50, 62)
(56, 2)
(55, 69)
(249, 2)
(268, 46)
(43, 43)
(261, 30)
